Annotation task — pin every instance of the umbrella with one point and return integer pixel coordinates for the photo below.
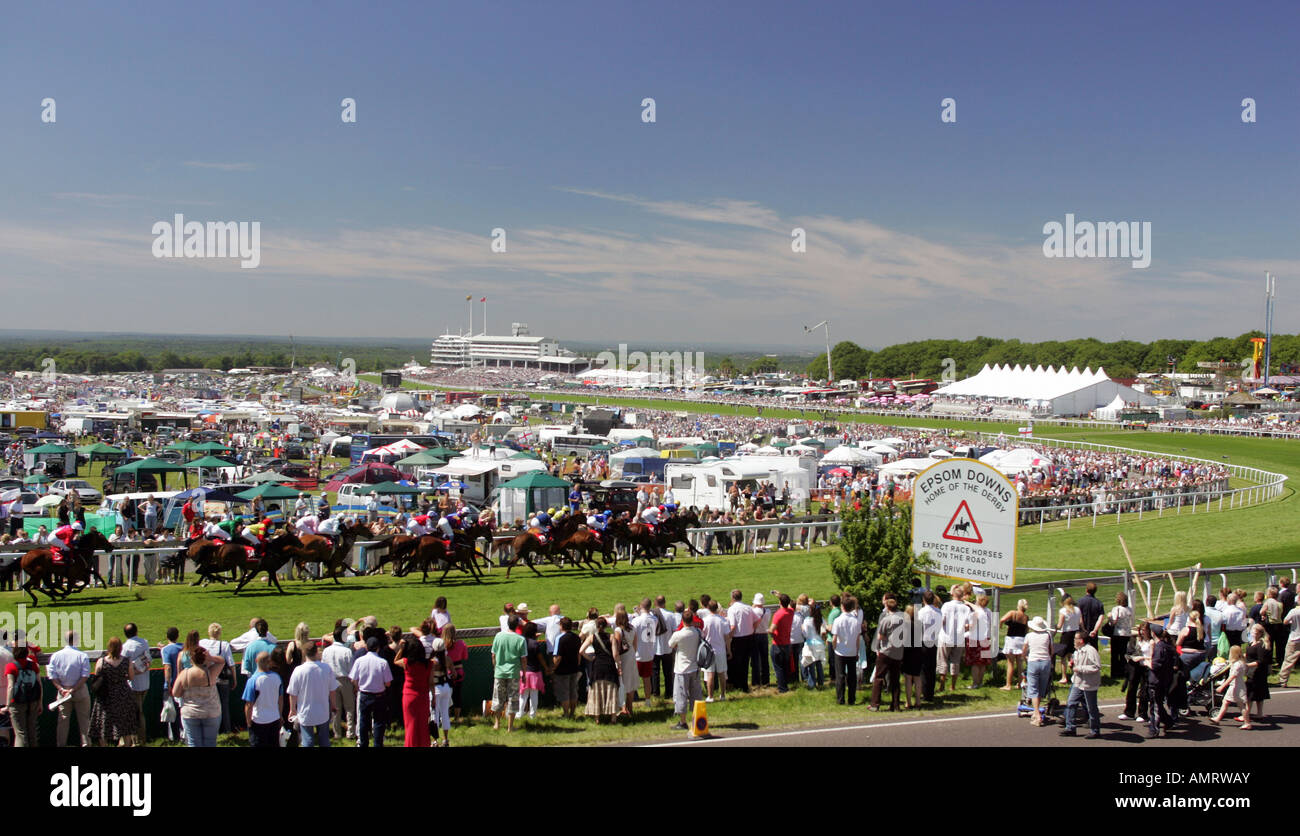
(454, 484)
(840, 471)
(36, 479)
(269, 491)
(49, 500)
(268, 476)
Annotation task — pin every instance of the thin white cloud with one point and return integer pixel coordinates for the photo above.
(221, 166)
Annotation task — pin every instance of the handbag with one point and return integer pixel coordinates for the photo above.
(1108, 629)
(168, 714)
(95, 682)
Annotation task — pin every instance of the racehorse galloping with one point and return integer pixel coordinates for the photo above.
(77, 567)
(212, 559)
(275, 553)
(652, 544)
(528, 544)
(332, 556)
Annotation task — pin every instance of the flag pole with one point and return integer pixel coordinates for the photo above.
(485, 330)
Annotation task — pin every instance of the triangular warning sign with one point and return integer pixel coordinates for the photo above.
(962, 526)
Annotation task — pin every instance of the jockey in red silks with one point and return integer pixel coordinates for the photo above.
(650, 517)
(65, 534)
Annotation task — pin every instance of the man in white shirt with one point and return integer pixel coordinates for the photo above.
(643, 628)
(1234, 620)
(238, 643)
(68, 670)
(1292, 621)
(666, 624)
(372, 678)
(551, 625)
(136, 651)
(313, 698)
(954, 620)
(846, 635)
(338, 658)
(741, 618)
(717, 632)
(929, 618)
(686, 678)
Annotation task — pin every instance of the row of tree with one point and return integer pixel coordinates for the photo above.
(1123, 358)
(99, 357)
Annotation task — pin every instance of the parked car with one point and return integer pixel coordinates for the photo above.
(127, 482)
(26, 506)
(63, 487)
(293, 450)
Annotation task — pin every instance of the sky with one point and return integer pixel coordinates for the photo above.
(769, 117)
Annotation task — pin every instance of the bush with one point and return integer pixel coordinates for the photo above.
(875, 556)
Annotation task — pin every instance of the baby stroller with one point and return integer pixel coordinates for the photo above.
(1202, 692)
(1050, 706)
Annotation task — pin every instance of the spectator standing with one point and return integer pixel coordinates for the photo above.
(1067, 624)
(1258, 658)
(888, 643)
(1234, 689)
(1292, 621)
(1271, 614)
(412, 658)
(313, 697)
(782, 621)
(760, 675)
(954, 619)
(686, 687)
(169, 652)
(1137, 697)
(508, 650)
(1086, 665)
(114, 715)
(846, 635)
(741, 619)
(24, 706)
(338, 657)
(532, 682)
(644, 628)
(1120, 620)
(602, 688)
(371, 676)
(226, 677)
(1160, 675)
(1091, 612)
(717, 632)
(136, 650)
(565, 678)
(931, 619)
(1013, 647)
(1038, 666)
(457, 656)
(262, 704)
(68, 671)
(813, 658)
(665, 623)
(196, 688)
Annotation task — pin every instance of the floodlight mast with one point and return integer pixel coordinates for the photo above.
(826, 325)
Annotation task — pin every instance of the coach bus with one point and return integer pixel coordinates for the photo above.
(361, 442)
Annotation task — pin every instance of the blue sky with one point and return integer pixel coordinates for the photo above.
(769, 116)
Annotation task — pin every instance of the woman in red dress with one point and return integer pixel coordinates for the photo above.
(412, 658)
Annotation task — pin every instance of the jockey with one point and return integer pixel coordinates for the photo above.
(62, 540)
(255, 533)
(650, 516)
(418, 526)
(307, 524)
(330, 529)
(446, 527)
(214, 531)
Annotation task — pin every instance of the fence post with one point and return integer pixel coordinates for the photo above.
(1094, 516)
(1040, 519)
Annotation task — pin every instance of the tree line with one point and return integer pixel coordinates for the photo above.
(1122, 358)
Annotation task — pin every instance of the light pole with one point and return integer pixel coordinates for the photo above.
(826, 325)
(1270, 290)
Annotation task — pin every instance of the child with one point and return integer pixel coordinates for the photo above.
(1237, 680)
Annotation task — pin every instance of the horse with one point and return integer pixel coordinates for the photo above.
(528, 543)
(275, 553)
(333, 557)
(78, 566)
(653, 544)
(211, 558)
(583, 542)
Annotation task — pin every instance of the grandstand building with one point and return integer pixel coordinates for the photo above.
(518, 350)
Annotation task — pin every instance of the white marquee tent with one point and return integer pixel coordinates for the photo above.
(1059, 391)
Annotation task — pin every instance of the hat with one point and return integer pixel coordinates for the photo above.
(1037, 624)
(77, 526)
(1157, 629)
(758, 599)
(521, 607)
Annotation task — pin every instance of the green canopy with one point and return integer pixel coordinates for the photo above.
(207, 462)
(267, 476)
(99, 448)
(151, 465)
(601, 448)
(185, 446)
(425, 457)
(211, 447)
(525, 454)
(51, 450)
(780, 442)
(269, 490)
(36, 479)
(643, 439)
(536, 479)
(394, 489)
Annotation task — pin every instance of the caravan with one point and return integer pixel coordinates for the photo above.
(709, 483)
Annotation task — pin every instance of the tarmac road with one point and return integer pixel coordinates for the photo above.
(1281, 727)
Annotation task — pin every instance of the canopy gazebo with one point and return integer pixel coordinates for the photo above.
(536, 490)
